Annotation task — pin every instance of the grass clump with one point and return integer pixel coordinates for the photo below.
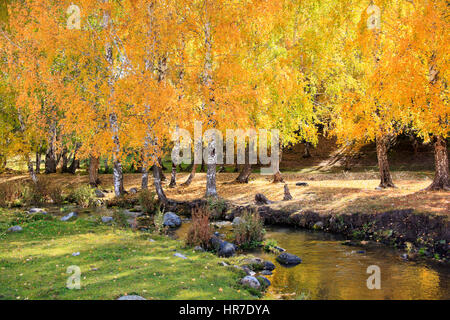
(84, 196)
(200, 231)
(148, 201)
(158, 222)
(250, 232)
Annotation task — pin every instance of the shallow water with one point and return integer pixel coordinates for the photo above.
(331, 270)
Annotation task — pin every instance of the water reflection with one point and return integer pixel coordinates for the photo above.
(333, 271)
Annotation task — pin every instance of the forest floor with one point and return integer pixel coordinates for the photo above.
(326, 192)
(113, 262)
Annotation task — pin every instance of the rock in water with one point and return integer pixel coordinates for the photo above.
(226, 249)
(70, 216)
(251, 282)
(15, 229)
(172, 220)
(266, 273)
(269, 266)
(107, 219)
(131, 297)
(264, 281)
(288, 259)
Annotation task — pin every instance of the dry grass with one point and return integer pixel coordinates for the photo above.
(336, 192)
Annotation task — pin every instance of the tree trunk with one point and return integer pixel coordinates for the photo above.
(38, 162)
(442, 177)
(158, 185)
(65, 161)
(144, 181)
(383, 163)
(307, 153)
(94, 163)
(211, 190)
(31, 171)
(277, 178)
(246, 168)
(118, 178)
(191, 176)
(173, 179)
(50, 160)
(106, 164)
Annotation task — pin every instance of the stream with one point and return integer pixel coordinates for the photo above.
(333, 271)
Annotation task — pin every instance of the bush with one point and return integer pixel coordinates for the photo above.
(270, 245)
(250, 232)
(158, 222)
(200, 231)
(84, 196)
(216, 207)
(10, 192)
(148, 201)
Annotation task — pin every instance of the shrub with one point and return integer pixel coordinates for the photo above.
(250, 232)
(158, 222)
(148, 202)
(55, 194)
(270, 245)
(216, 207)
(84, 196)
(200, 231)
(9, 193)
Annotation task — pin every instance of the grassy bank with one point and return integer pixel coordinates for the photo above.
(113, 262)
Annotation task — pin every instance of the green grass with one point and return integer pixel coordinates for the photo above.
(33, 263)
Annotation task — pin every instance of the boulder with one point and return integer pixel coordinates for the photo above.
(37, 210)
(70, 216)
(251, 282)
(15, 229)
(237, 221)
(269, 266)
(288, 259)
(171, 220)
(266, 273)
(264, 282)
(215, 242)
(318, 225)
(226, 249)
(107, 219)
(131, 297)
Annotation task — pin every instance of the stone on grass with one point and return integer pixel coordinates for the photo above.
(199, 249)
(131, 297)
(223, 264)
(237, 221)
(171, 220)
(75, 254)
(179, 255)
(288, 259)
(133, 190)
(226, 249)
(250, 281)
(15, 229)
(107, 219)
(70, 216)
